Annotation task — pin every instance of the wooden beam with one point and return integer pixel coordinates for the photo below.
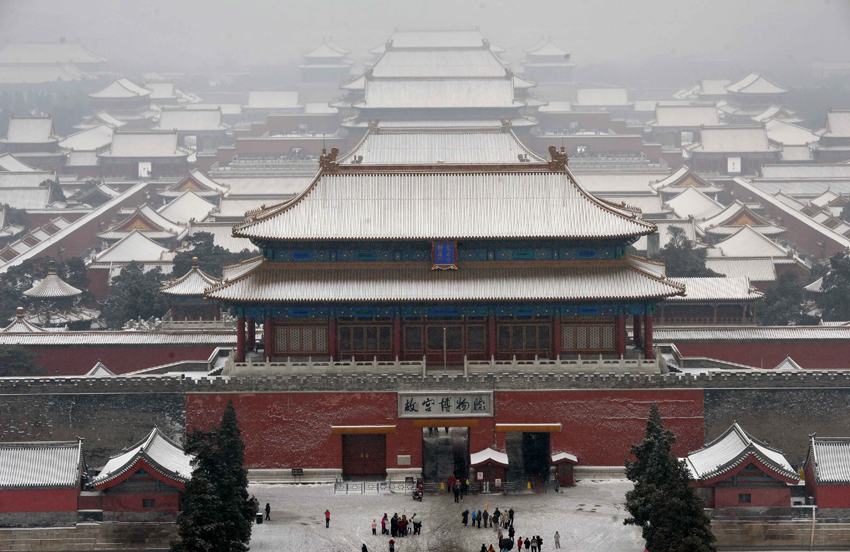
(438, 423)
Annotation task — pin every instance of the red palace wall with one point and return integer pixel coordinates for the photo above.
(167, 504)
(285, 430)
(77, 360)
(767, 354)
(762, 497)
(39, 500)
(832, 496)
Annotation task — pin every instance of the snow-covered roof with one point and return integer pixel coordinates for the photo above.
(191, 120)
(713, 87)
(438, 93)
(103, 338)
(25, 198)
(10, 163)
(685, 115)
(733, 139)
(682, 177)
(39, 465)
(620, 183)
(318, 108)
(29, 179)
(282, 186)
(717, 289)
(806, 171)
(101, 117)
(438, 64)
(546, 50)
(735, 215)
(161, 90)
(788, 364)
(837, 123)
(186, 207)
(52, 287)
(789, 134)
(556, 106)
(148, 221)
(226, 108)
(99, 370)
(20, 326)
(424, 147)
(602, 97)
(327, 49)
(732, 449)
(830, 458)
(197, 182)
(755, 83)
(121, 88)
(134, 247)
(82, 159)
(232, 207)
(752, 334)
(40, 74)
(816, 286)
(757, 270)
(157, 451)
(273, 99)
(560, 457)
(488, 455)
(91, 139)
(30, 130)
(434, 39)
(46, 54)
(193, 283)
(748, 243)
(776, 112)
(796, 153)
(693, 203)
(145, 144)
(459, 204)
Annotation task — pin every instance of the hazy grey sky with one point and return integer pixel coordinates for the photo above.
(200, 32)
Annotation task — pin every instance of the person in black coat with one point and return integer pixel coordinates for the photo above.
(394, 526)
(465, 515)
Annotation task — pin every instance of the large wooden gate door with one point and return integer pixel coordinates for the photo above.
(364, 455)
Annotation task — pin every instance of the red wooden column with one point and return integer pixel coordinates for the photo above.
(397, 353)
(637, 336)
(252, 333)
(557, 338)
(332, 337)
(620, 328)
(491, 335)
(647, 339)
(268, 337)
(240, 339)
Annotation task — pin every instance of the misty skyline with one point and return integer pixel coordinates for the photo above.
(193, 34)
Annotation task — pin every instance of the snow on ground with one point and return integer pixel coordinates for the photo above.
(589, 518)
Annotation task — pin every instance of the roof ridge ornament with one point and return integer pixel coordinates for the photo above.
(507, 124)
(559, 159)
(327, 161)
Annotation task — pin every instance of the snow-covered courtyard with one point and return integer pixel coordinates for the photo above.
(589, 517)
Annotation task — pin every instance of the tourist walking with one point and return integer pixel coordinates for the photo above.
(511, 516)
(456, 492)
(483, 548)
(474, 517)
(511, 532)
(363, 548)
(268, 511)
(539, 543)
(394, 526)
(533, 544)
(557, 539)
(327, 518)
(519, 544)
(479, 519)
(417, 524)
(527, 543)
(375, 527)
(384, 525)
(465, 515)
(392, 545)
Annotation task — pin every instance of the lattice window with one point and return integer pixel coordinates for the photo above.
(280, 339)
(594, 341)
(607, 337)
(568, 343)
(321, 339)
(294, 339)
(581, 337)
(301, 340)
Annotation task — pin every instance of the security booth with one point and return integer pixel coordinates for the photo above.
(562, 465)
(490, 468)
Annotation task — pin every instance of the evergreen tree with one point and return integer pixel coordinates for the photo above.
(219, 458)
(663, 504)
(683, 260)
(135, 294)
(18, 362)
(211, 257)
(834, 300)
(201, 525)
(783, 305)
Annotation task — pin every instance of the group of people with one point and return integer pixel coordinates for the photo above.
(398, 526)
(505, 532)
(460, 487)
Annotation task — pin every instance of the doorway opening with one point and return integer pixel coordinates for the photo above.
(445, 453)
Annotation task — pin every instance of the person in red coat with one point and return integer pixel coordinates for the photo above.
(327, 518)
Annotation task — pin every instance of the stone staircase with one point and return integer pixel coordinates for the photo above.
(85, 537)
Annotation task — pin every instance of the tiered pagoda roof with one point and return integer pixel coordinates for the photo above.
(198, 183)
(146, 220)
(683, 177)
(121, 88)
(736, 215)
(754, 83)
(349, 202)
(191, 284)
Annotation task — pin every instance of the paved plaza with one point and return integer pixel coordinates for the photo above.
(589, 518)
